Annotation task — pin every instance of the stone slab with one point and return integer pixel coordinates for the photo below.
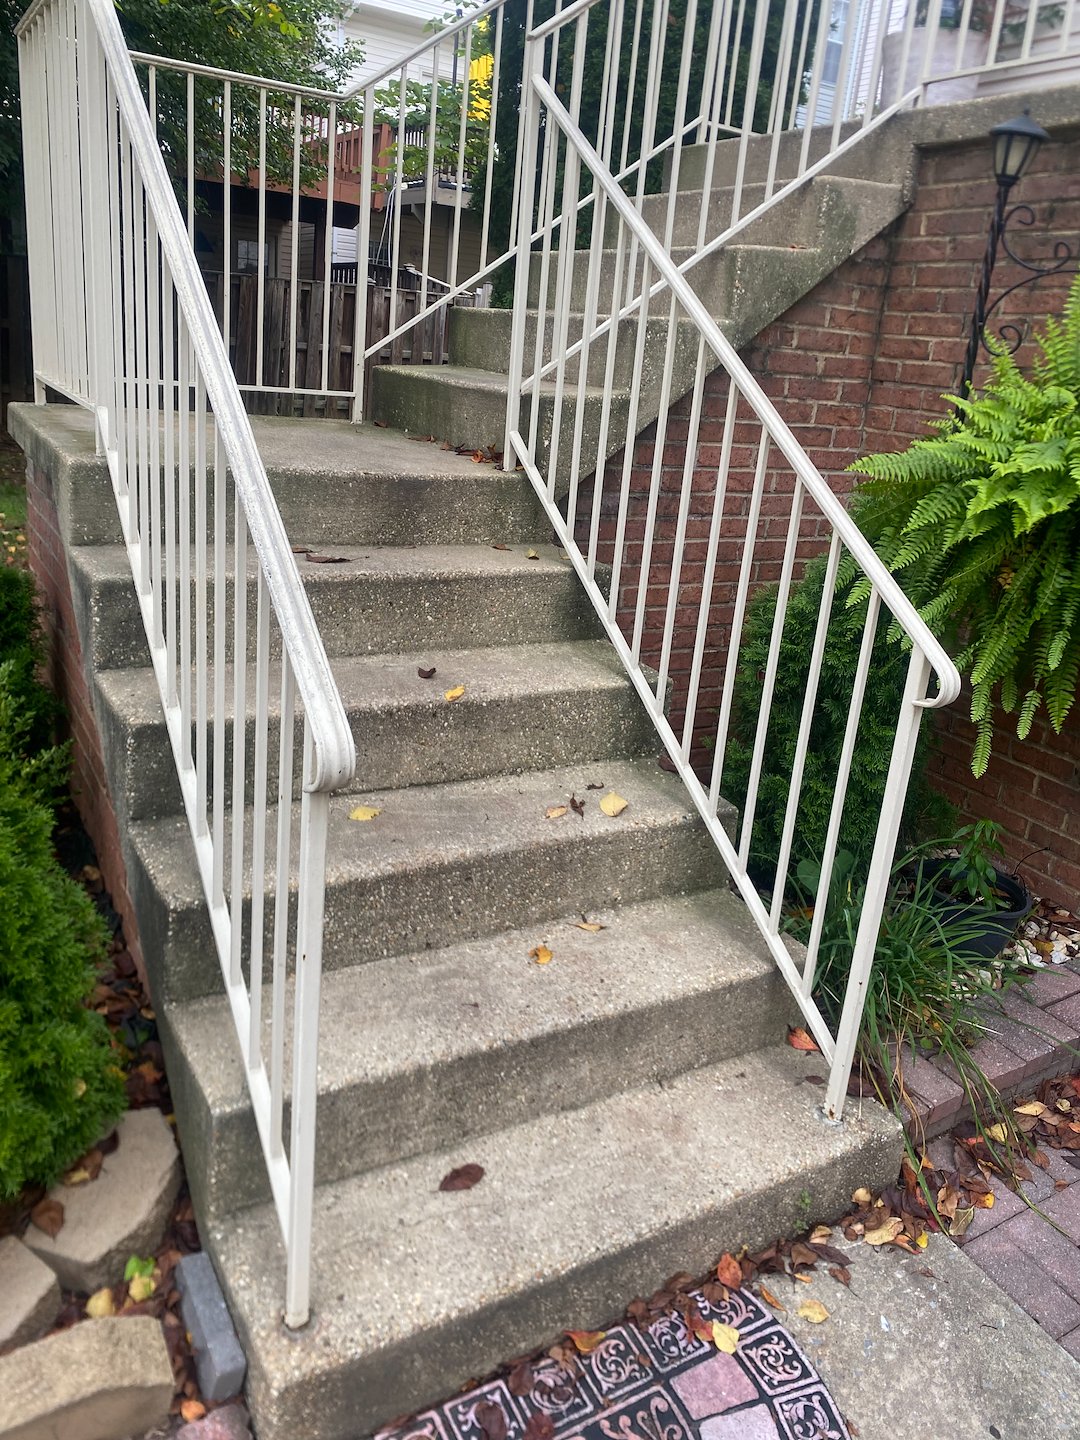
(100, 1380)
(121, 1213)
(29, 1295)
(928, 1347)
(219, 1360)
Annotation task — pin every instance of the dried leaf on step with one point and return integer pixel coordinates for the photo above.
(885, 1233)
(100, 1304)
(592, 926)
(140, 1288)
(463, 1178)
(770, 1299)
(540, 1427)
(326, 559)
(578, 806)
(192, 1410)
(840, 1273)
(998, 1132)
(613, 804)
(820, 1235)
(595, 785)
(861, 1196)
(541, 954)
(500, 546)
(455, 694)
(364, 812)
(428, 674)
(555, 812)
(48, 1216)
(586, 1341)
(814, 1311)
(725, 1337)
(729, 1271)
(521, 1377)
(1033, 1107)
(531, 555)
(798, 1039)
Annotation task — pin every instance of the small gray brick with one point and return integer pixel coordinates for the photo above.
(1050, 986)
(219, 1360)
(1019, 1276)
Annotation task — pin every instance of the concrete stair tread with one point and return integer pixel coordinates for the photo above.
(467, 377)
(378, 684)
(432, 826)
(376, 561)
(575, 1213)
(475, 1036)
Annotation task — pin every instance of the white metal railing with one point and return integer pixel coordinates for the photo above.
(782, 83)
(754, 513)
(122, 325)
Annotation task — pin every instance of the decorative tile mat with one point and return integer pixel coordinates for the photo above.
(657, 1384)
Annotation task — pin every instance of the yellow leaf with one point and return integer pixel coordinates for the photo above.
(555, 812)
(861, 1196)
(364, 812)
(986, 1202)
(100, 1304)
(541, 954)
(814, 1311)
(820, 1235)
(961, 1220)
(884, 1234)
(586, 1340)
(78, 1176)
(592, 926)
(455, 694)
(613, 804)
(1033, 1107)
(770, 1299)
(80, 1088)
(923, 1240)
(998, 1133)
(725, 1337)
(531, 555)
(141, 1288)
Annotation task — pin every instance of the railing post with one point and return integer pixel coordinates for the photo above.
(363, 244)
(532, 67)
(877, 881)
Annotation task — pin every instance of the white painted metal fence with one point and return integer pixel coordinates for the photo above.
(123, 326)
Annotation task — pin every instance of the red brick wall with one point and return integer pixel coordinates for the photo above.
(859, 365)
(67, 676)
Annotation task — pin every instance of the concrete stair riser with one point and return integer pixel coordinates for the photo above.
(445, 863)
(575, 1213)
(422, 1051)
(382, 601)
(524, 708)
(887, 152)
(356, 486)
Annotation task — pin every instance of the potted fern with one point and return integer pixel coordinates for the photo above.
(970, 885)
(981, 524)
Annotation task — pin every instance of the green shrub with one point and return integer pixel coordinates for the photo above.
(981, 523)
(881, 708)
(21, 648)
(60, 1087)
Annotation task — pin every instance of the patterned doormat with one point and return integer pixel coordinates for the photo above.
(662, 1383)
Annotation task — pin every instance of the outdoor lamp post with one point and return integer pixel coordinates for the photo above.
(1015, 144)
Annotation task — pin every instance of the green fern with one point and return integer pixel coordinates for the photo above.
(981, 522)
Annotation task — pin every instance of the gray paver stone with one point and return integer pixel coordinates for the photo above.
(219, 1360)
(121, 1213)
(1024, 1279)
(1064, 1209)
(100, 1380)
(1049, 986)
(231, 1422)
(29, 1294)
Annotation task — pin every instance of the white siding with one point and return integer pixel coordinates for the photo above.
(390, 31)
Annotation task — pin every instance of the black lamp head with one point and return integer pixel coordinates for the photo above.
(1015, 143)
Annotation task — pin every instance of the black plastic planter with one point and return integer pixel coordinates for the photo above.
(991, 930)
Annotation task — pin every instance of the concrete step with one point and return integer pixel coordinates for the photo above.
(884, 154)
(444, 863)
(381, 600)
(335, 483)
(525, 707)
(577, 1211)
(418, 1052)
(806, 218)
(468, 407)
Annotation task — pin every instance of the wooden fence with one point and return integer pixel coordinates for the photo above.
(424, 344)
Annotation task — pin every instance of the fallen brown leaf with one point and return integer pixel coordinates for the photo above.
(613, 804)
(729, 1271)
(428, 674)
(798, 1039)
(555, 812)
(770, 1299)
(492, 1420)
(586, 1341)
(48, 1216)
(541, 954)
(814, 1311)
(455, 694)
(463, 1178)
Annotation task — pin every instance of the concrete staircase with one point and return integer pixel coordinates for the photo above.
(633, 1103)
(776, 260)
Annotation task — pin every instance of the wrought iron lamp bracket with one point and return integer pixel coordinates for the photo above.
(1011, 336)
